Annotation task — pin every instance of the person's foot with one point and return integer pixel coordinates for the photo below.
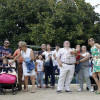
(25, 90)
(53, 87)
(68, 91)
(47, 86)
(80, 89)
(91, 90)
(43, 87)
(33, 91)
(59, 91)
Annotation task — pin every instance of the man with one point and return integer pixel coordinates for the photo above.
(20, 70)
(5, 51)
(55, 62)
(66, 59)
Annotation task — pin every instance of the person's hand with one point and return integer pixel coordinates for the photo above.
(11, 62)
(54, 56)
(2, 57)
(37, 72)
(60, 64)
(71, 53)
(77, 62)
(50, 57)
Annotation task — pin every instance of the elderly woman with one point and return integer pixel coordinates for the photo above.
(26, 53)
(84, 71)
(95, 50)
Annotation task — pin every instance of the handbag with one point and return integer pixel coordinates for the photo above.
(47, 64)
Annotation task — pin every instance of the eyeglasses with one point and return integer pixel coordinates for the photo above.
(6, 42)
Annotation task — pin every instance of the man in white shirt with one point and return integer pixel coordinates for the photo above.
(66, 59)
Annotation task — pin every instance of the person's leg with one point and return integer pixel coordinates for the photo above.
(26, 83)
(80, 78)
(53, 75)
(76, 78)
(37, 81)
(33, 83)
(20, 73)
(86, 76)
(94, 75)
(62, 76)
(46, 76)
(41, 77)
(69, 76)
(98, 82)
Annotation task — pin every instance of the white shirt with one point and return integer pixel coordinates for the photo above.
(39, 65)
(55, 62)
(66, 57)
(47, 55)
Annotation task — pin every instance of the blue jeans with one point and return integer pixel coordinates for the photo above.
(40, 76)
(54, 69)
(77, 67)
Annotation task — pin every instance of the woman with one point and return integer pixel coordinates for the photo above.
(48, 67)
(84, 71)
(95, 50)
(25, 53)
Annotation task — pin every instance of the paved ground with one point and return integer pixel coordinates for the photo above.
(50, 94)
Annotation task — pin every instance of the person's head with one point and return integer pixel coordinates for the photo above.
(43, 47)
(48, 47)
(66, 44)
(40, 57)
(57, 47)
(6, 43)
(83, 49)
(22, 45)
(91, 41)
(5, 61)
(78, 47)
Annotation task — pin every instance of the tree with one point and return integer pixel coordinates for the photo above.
(47, 21)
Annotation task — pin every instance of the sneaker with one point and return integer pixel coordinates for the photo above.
(59, 91)
(68, 91)
(91, 90)
(80, 89)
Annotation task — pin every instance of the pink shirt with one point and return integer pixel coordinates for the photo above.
(17, 52)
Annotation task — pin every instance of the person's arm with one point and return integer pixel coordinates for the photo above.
(97, 45)
(85, 58)
(36, 67)
(15, 54)
(60, 63)
(58, 58)
(43, 67)
(32, 55)
(19, 55)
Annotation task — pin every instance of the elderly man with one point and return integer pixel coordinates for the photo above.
(66, 59)
(5, 51)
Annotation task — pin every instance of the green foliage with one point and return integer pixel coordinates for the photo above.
(47, 21)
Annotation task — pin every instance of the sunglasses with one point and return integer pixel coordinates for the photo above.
(90, 40)
(6, 43)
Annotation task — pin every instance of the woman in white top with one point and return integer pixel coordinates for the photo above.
(26, 52)
(48, 69)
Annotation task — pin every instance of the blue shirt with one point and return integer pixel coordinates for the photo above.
(4, 52)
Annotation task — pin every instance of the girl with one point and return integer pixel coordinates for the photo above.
(39, 70)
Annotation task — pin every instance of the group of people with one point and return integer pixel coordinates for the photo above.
(66, 61)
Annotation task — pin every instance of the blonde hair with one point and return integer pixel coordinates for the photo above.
(23, 43)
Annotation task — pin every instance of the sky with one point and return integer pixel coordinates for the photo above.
(93, 3)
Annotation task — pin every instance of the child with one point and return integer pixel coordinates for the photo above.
(39, 70)
(5, 65)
